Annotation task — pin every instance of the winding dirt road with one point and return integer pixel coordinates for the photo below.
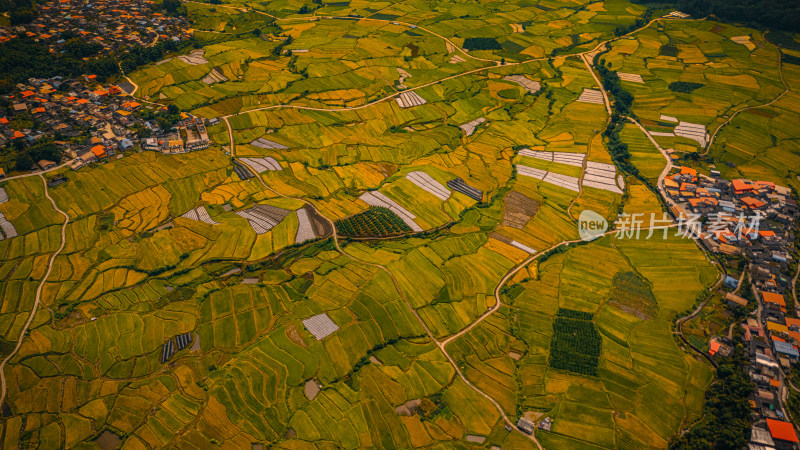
(37, 299)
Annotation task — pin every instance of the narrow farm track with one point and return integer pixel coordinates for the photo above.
(786, 90)
(37, 300)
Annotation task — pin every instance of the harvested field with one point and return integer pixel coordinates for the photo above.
(374, 222)
(591, 96)
(409, 99)
(263, 218)
(518, 209)
(305, 231)
(529, 85)
(455, 59)
(571, 159)
(511, 242)
(633, 294)
(460, 185)
(469, 127)
(565, 181)
(403, 75)
(267, 144)
(194, 58)
(601, 176)
(376, 198)
(201, 214)
(215, 76)
(744, 40)
(311, 389)
(261, 165)
(632, 77)
(7, 228)
(3, 196)
(320, 326)
(426, 182)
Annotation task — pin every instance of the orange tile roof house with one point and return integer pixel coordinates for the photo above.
(99, 151)
(752, 203)
(742, 186)
(772, 297)
(782, 431)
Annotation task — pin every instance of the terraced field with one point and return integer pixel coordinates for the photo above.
(407, 242)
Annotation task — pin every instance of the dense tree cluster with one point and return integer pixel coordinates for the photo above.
(481, 43)
(26, 158)
(725, 422)
(137, 56)
(375, 222)
(19, 11)
(685, 87)
(575, 345)
(778, 14)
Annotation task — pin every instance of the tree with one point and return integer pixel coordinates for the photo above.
(24, 162)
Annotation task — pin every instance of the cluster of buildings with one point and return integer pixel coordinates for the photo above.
(754, 220)
(111, 24)
(90, 121)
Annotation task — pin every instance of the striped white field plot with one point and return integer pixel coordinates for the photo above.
(469, 127)
(601, 176)
(200, 214)
(409, 99)
(376, 198)
(305, 232)
(677, 15)
(425, 181)
(262, 164)
(456, 59)
(3, 196)
(565, 181)
(263, 218)
(669, 118)
(523, 247)
(570, 159)
(632, 77)
(267, 144)
(692, 131)
(591, 96)
(8, 230)
(321, 326)
(529, 85)
(215, 76)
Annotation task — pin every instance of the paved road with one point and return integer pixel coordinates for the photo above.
(38, 297)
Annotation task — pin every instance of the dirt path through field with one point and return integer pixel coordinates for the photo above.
(37, 300)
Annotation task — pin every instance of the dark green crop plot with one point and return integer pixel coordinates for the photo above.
(575, 345)
(685, 87)
(374, 222)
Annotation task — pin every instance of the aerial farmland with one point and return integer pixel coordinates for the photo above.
(381, 242)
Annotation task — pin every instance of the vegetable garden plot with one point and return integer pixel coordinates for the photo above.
(530, 85)
(409, 99)
(571, 159)
(201, 214)
(602, 176)
(267, 144)
(469, 127)
(320, 326)
(263, 218)
(426, 182)
(460, 185)
(261, 165)
(8, 230)
(518, 209)
(591, 96)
